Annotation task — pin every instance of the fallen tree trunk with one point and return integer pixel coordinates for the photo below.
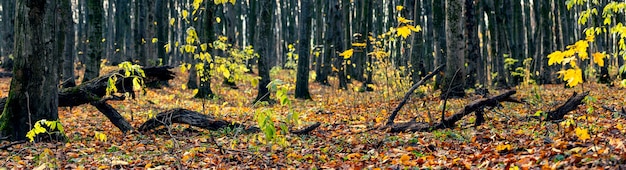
(184, 116)
(408, 94)
(93, 92)
(95, 89)
(476, 106)
(571, 104)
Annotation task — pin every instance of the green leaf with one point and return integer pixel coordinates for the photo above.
(538, 113)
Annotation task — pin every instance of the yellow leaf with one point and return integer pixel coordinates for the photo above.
(347, 54)
(555, 57)
(196, 4)
(405, 158)
(184, 86)
(582, 133)
(172, 21)
(415, 28)
(218, 19)
(233, 2)
(358, 44)
(598, 58)
(185, 14)
(574, 77)
(403, 31)
(195, 91)
(353, 156)
(155, 40)
(104, 40)
(100, 136)
(203, 47)
(590, 37)
(404, 20)
(167, 48)
(502, 147)
(399, 8)
(569, 53)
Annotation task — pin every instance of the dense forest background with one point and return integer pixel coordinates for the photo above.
(506, 41)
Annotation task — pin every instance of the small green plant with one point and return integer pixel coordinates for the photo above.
(292, 57)
(45, 126)
(130, 70)
(264, 120)
(523, 72)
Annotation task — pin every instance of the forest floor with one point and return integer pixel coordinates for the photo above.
(510, 137)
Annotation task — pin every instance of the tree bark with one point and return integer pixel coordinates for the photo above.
(204, 88)
(265, 37)
(161, 19)
(7, 34)
(454, 79)
(67, 35)
(473, 43)
(94, 22)
(33, 92)
(302, 80)
(476, 106)
(571, 104)
(203, 121)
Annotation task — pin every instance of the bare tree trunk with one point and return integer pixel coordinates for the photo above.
(454, 80)
(94, 51)
(67, 76)
(33, 94)
(302, 81)
(265, 35)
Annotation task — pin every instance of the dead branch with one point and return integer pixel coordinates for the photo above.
(613, 109)
(476, 106)
(571, 104)
(306, 129)
(184, 116)
(408, 94)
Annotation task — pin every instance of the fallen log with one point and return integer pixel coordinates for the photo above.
(571, 104)
(408, 94)
(184, 116)
(93, 92)
(476, 106)
(622, 113)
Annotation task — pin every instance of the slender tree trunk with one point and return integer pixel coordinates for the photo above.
(417, 41)
(95, 21)
(251, 30)
(304, 48)
(439, 36)
(140, 32)
(161, 20)
(33, 93)
(367, 61)
(455, 61)
(265, 36)
(346, 43)
(473, 46)
(204, 90)
(428, 35)
(7, 34)
(502, 41)
(67, 76)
